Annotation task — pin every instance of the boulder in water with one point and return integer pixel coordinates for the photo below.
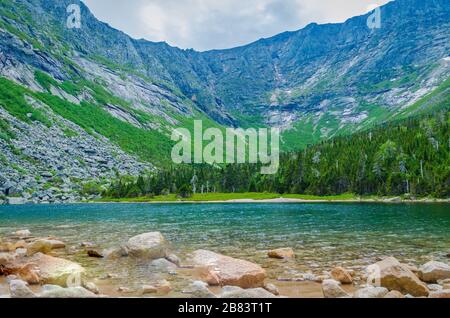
(230, 271)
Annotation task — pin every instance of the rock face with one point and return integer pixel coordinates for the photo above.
(332, 289)
(371, 292)
(149, 245)
(57, 271)
(230, 271)
(19, 289)
(396, 276)
(341, 275)
(433, 271)
(281, 253)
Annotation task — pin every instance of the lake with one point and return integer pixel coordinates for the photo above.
(352, 235)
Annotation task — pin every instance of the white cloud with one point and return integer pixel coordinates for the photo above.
(216, 24)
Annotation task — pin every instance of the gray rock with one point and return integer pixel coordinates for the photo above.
(148, 245)
(162, 264)
(433, 271)
(19, 289)
(371, 292)
(199, 289)
(333, 289)
(71, 292)
(237, 292)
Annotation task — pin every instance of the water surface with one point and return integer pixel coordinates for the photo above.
(323, 235)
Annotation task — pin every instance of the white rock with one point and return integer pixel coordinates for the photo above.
(149, 245)
(71, 292)
(332, 289)
(371, 292)
(253, 293)
(19, 289)
(433, 271)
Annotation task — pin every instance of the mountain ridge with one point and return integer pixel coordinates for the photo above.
(315, 83)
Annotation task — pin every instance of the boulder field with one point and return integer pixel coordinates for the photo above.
(37, 267)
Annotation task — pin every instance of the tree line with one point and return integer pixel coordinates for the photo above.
(405, 157)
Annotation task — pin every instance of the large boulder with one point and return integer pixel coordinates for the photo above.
(229, 271)
(341, 275)
(19, 289)
(281, 253)
(57, 271)
(332, 289)
(433, 271)
(396, 276)
(371, 292)
(149, 245)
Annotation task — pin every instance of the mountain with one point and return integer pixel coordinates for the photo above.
(91, 103)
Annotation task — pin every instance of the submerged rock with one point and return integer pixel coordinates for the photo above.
(164, 265)
(161, 288)
(397, 276)
(94, 254)
(282, 253)
(433, 271)
(149, 245)
(341, 275)
(230, 271)
(22, 233)
(332, 289)
(39, 246)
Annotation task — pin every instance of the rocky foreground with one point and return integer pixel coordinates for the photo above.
(29, 268)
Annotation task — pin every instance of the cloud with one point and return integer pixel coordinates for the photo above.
(218, 24)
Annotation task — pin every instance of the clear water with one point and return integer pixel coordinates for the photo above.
(323, 235)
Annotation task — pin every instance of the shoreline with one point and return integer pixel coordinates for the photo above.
(276, 201)
(280, 200)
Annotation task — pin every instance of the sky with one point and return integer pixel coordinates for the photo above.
(219, 24)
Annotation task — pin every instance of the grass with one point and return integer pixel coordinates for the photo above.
(211, 197)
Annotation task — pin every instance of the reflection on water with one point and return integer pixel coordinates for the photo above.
(323, 235)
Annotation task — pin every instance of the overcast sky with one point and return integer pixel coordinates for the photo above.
(218, 24)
